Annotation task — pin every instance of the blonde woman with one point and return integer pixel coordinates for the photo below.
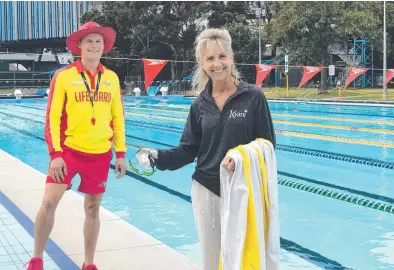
(228, 112)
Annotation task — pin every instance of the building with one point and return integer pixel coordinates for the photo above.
(23, 21)
(33, 37)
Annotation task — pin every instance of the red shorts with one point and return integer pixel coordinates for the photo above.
(92, 168)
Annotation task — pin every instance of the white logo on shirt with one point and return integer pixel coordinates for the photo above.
(77, 82)
(234, 114)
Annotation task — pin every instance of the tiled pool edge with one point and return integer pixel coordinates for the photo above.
(132, 240)
(53, 250)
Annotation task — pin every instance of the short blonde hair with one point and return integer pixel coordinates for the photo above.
(211, 36)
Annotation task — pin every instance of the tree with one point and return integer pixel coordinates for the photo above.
(239, 19)
(156, 30)
(307, 30)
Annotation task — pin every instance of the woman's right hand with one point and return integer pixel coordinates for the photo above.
(143, 157)
(58, 169)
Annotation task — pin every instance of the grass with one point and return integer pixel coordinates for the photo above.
(6, 91)
(333, 94)
(302, 94)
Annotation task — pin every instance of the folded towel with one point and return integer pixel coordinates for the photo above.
(249, 209)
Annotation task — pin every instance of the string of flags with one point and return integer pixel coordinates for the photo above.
(152, 68)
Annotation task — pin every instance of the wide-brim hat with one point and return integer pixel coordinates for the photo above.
(108, 34)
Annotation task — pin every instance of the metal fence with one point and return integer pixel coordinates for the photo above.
(19, 79)
(180, 87)
(276, 85)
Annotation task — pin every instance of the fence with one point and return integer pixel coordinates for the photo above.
(180, 87)
(177, 77)
(28, 81)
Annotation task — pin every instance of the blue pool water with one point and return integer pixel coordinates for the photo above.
(314, 145)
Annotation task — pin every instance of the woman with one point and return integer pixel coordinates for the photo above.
(227, 113)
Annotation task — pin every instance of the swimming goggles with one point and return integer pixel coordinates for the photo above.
(142, 172)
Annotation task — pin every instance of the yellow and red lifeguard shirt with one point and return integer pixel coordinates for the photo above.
(70, 112)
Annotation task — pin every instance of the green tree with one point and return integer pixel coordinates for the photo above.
(156, 30)
(239, 19)
(307, 30)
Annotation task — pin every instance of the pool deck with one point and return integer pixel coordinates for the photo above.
(120, 244)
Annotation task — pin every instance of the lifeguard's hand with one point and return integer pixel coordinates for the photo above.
(120, 167)
(229, 164)
(143, 157)
(58, 169)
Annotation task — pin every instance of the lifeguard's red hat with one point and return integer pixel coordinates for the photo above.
(108, 34)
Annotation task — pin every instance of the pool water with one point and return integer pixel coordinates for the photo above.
(343, 150)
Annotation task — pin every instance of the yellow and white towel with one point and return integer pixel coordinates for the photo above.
(249, 209)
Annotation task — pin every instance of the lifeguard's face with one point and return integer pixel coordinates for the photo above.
(216, 62)
(92, 46)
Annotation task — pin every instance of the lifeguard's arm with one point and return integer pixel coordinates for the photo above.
(54, 111)
(118, 124)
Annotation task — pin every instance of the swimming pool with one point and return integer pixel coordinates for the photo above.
(335, 163)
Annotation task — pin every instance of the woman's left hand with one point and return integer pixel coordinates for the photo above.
(229, 164)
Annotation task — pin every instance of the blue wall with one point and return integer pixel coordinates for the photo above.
(26, 20)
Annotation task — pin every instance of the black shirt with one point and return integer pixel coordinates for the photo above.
(209, 134)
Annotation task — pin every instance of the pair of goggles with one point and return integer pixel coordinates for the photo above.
(132, 166)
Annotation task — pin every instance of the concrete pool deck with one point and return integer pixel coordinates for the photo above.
(120, 244)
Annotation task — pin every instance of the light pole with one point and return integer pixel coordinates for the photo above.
(262, 16)
(260, 38)
(384, 51)
(258, 16)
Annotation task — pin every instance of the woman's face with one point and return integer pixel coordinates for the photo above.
(216, 63)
